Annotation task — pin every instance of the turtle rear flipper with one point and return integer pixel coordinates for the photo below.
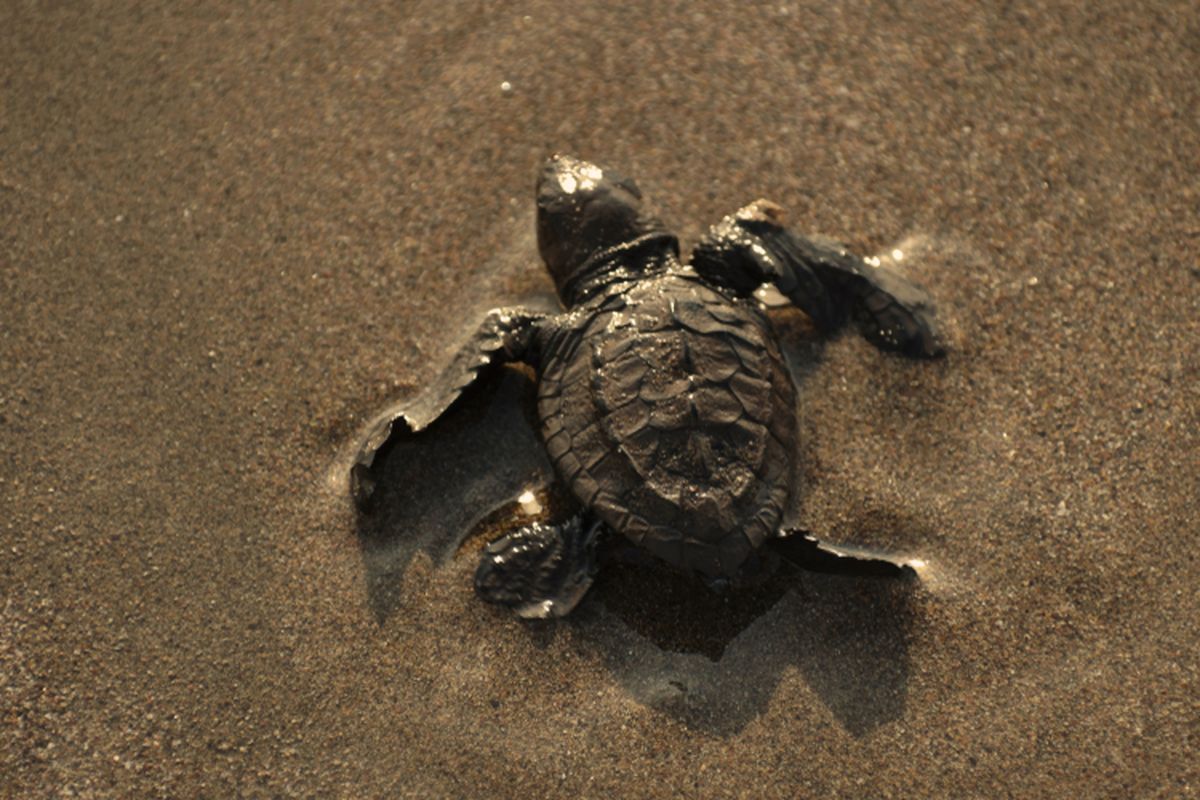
(505, 335)
(541, 570)
(805, 551)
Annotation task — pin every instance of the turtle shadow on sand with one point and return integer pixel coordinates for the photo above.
(712, 661)
(847, 637)
(434, 489)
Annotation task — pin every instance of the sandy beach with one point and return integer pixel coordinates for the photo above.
(234, 232)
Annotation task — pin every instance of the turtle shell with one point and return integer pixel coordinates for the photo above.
(668, 410)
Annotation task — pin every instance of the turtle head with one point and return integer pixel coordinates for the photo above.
(583, 210)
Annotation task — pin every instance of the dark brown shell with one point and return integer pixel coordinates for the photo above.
(669, 411)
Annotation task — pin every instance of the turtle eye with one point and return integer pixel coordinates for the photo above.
(630, 186)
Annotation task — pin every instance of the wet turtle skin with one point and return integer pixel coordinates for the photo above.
(664, 402)
(668, 409)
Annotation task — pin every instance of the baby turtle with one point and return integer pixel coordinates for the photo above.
(665, 404)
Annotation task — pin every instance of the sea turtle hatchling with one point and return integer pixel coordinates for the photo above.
(665, 404)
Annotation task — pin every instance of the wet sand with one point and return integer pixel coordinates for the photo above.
(233, 233)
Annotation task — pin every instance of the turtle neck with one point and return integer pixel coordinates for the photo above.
(625, 261)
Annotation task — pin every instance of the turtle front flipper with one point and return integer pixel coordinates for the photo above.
(752, 247)
(805, 551)
(505, 335)
(541, 570)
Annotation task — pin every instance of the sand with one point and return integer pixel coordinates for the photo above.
(233, 232)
